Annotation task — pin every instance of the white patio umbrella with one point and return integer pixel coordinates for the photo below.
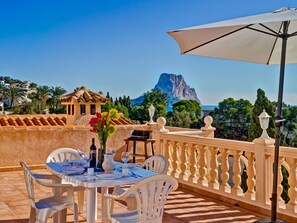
(266, 38)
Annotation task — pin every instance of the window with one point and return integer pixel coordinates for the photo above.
(82, 109)
(93, 109)
(72, 109)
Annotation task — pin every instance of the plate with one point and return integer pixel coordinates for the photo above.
(109, 176)
(72, 170)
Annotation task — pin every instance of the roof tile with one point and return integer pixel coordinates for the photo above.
(21, 121)
(84, 95)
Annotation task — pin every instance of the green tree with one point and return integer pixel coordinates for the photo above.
(293, 141)
(155, 97)
(4, 93)
(126, 102)
(136, 113)
(179, 119)
(261, 103)
(25, 108)
(232, 118)
(9, 80)
(33, 85)
(191, 106)
(109, 105)
(41, 95)
(56, 94)
(290, 123)
(121, 108)
(13, 94)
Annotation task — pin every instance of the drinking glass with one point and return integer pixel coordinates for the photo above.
(85, 158)
(125, 157)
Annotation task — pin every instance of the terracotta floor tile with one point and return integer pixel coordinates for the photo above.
(21, 209)
(7, 214)
(182, 207)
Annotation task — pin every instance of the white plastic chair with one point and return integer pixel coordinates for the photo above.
(61, 154)
(157, 164)
(46, 207)
(150, 194)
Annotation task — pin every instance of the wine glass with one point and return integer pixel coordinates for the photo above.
(87, 159)
(125, 157)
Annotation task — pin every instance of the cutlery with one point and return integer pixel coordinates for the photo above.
(135, 175)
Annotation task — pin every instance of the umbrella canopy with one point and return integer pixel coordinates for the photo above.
(265, 39)
(258, 37)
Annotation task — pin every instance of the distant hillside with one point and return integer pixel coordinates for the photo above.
(176, 88)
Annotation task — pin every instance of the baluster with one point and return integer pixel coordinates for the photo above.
(165, 152)
(214, 167)
(192, 159)
(292, 180)
(251, 182)
(237, 190)
(280, 200)
(174, 159)
(202, 166)
(170, 149)
(182, 160)
(225, 171)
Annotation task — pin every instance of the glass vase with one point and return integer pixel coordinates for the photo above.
(101, 152)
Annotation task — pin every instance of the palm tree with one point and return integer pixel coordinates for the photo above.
(3, 94)
(14, 93)
(56, 93)
(41, 95)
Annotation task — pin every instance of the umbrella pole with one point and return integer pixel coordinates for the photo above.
(278, 123)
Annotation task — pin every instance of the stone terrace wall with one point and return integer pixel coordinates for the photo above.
(33, 144)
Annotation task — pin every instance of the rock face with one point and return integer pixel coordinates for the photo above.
(176, 88)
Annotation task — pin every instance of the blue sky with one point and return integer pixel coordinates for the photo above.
(121, 46)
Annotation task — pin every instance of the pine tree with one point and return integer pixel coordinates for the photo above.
(261, 103)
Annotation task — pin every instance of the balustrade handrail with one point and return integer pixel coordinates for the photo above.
(215, 142)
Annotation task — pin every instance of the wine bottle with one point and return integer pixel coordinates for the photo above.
(92, 156)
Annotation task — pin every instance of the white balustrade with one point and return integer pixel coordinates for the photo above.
(280, 201)
(174, 163)
(236, 189)
(202, 166)
(192, 162)
(251, 181)
(216, 165)
(182, 160)
(225, 187)
(292, 180)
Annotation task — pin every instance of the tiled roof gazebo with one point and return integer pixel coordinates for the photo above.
(81, 104)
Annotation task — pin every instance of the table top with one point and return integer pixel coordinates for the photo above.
(98, 178)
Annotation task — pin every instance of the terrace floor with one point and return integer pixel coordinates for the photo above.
(182, 206)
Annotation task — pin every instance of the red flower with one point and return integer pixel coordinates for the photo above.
(98, 115)
(93, 121)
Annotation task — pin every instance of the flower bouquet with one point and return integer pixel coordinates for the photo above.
(103, 127)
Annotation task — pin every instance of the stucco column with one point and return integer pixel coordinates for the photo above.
(263, 172)
(159, 128)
